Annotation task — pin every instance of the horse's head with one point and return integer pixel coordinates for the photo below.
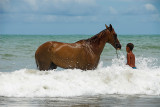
(112, 37)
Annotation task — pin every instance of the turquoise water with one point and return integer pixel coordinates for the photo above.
(113, 83)
(17, 51)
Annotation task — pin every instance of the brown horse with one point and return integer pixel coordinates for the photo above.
(83, 54)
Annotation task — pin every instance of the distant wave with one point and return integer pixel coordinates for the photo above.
(115, 79)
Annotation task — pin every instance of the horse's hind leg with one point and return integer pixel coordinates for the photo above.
(43, 65)
(52, 66)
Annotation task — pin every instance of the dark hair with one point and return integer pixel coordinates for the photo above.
(130, 45)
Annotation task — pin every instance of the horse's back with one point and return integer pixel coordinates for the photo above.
(53, 46)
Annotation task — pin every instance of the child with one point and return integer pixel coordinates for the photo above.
(130, 55)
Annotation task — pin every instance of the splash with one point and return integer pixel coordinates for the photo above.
(115, 79)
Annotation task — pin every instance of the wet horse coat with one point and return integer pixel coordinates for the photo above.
(83, 54)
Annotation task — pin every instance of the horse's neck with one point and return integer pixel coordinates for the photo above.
(98, 45)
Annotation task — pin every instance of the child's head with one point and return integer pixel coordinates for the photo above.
(129, 47)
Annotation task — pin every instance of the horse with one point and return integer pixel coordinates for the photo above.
(83, 54)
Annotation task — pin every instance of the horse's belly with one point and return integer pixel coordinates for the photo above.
(72, 62)
(72, 57)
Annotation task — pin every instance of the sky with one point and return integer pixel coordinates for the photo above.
(58, 17)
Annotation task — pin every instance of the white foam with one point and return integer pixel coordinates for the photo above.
(115, 79)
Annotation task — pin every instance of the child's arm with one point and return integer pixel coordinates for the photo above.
(128, 59)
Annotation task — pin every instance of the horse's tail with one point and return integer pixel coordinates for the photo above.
(36, 61)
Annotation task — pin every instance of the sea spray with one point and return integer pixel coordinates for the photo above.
(118, 78)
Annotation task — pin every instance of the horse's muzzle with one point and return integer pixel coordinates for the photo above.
(118, 46)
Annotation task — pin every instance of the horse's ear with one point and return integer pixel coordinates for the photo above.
(110, 26)
(106, 26)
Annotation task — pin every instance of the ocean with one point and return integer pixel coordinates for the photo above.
(113, 83)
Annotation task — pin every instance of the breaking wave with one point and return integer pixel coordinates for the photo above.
(115, 79)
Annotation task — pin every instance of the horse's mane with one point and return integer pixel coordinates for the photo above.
(97, 37)
(94, 39)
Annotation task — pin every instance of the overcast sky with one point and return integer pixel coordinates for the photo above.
(79, 16)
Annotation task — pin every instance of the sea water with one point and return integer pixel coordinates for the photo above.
(19, 76)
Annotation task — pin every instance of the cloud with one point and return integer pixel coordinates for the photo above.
(112, 10)
(40, 11)
(150, 7)
(33, 4)
(56, 7)
(140, 9)
(4, 5)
